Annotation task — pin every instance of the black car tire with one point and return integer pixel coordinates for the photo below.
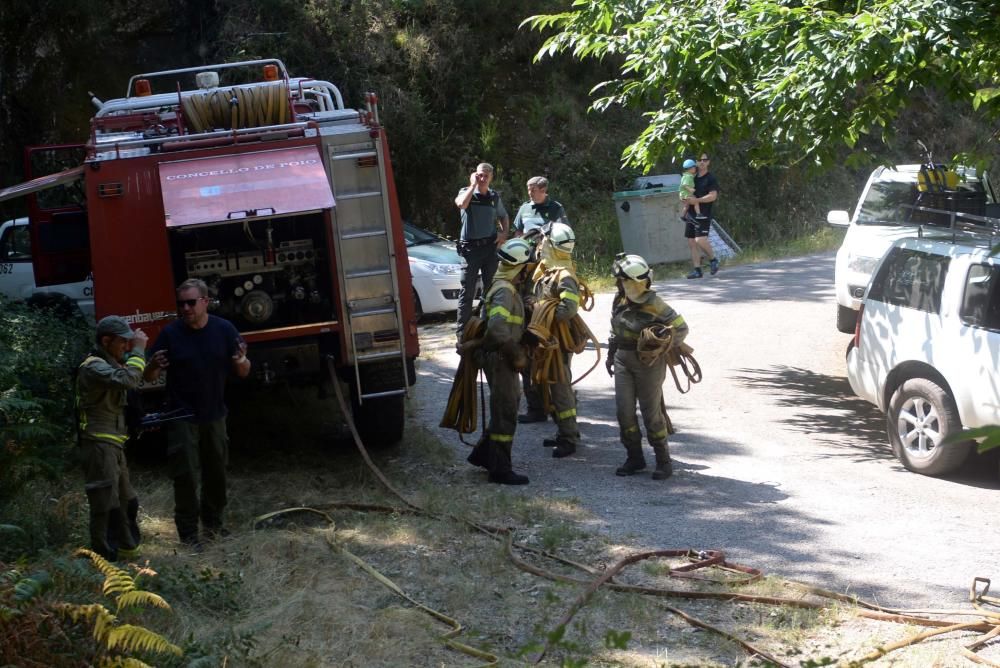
(847, 319)
(418, 310)
(921, 415)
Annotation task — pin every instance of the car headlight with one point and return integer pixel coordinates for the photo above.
(862, 264)
(435, 268)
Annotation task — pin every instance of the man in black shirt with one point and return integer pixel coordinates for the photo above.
(201, 351)
(706, 191)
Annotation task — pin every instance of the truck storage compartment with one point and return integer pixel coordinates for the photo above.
(261, 274)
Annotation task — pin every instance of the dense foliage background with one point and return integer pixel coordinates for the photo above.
(457, 83)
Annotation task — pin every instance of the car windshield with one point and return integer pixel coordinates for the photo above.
(886, 203)
(417, 237)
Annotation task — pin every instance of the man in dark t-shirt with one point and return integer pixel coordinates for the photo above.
(201, 350)
(706, 191)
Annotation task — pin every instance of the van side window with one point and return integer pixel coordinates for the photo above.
(912, 279)
(981, 301)
(15, 246)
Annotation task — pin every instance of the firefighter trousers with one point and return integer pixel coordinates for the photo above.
(505, 395)
(197, 455)
(636, 382)
(564, 406)
(114, 506)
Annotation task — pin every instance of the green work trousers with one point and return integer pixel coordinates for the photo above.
(197, 453)
(110, 496)
(636, 382)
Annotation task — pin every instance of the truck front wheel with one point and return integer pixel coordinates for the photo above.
(380, 421)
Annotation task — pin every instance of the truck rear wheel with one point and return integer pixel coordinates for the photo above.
(380, 421)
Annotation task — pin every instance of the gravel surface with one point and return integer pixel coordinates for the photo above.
(776, 461)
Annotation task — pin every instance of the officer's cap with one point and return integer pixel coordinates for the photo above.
(114, 325)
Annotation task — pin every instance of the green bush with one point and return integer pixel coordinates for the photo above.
(39, 350)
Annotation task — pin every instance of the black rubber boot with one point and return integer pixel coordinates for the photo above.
(480, 455)
(99, 543)
(634, 463)
(664, 467)
(500, 466)
(563, 449)
(532, 416)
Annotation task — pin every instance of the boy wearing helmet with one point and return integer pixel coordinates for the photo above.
(636, 307)
(503, 311)
(555, 278)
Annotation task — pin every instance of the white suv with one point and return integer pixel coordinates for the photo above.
(885, 212)
(927, 347)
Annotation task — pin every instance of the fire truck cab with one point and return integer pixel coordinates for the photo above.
(269, 190)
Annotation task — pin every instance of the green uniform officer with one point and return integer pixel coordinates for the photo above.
(503, 357)
(635, 308)
(555, 278)
(102, 383)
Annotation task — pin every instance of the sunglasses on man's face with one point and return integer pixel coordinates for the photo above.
(181, 303)
(703, 159)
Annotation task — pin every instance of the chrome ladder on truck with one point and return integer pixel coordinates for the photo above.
(366, 261)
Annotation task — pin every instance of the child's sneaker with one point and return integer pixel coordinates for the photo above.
(695, 273)
(713, 266)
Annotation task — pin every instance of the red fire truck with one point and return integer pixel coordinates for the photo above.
(264, 186)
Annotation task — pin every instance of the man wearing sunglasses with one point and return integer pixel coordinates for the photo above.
(201, 350)
(706, 191)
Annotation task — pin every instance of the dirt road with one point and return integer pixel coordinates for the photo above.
(776, 462)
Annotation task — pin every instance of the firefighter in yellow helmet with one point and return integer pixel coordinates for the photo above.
(635, 308)
(555, 278)
(503, 357)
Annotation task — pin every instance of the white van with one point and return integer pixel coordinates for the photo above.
(17, 278)
(885, 212)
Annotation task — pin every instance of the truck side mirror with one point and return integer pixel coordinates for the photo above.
(838, 219)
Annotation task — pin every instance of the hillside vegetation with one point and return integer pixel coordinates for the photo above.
(457, 83)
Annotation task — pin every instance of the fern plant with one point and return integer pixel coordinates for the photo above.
(116, 638)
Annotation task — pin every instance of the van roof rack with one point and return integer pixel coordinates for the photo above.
(972, 228)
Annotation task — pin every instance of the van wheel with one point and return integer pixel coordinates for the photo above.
(921, 416)
(847, 318)
(379, 421)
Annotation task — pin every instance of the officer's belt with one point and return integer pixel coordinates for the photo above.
(477, 243)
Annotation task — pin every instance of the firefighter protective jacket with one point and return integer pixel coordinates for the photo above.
(628, 319)
(101, 387)
(504, 313)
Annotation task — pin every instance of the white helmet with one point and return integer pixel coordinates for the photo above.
(561, 236)
(514, 252)
(632, 267)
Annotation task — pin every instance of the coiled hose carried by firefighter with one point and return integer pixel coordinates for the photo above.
(237, 107)
(555, 337)
(656, 341)
(460, 411)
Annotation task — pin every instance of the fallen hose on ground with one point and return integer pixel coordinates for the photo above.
(989, 624)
